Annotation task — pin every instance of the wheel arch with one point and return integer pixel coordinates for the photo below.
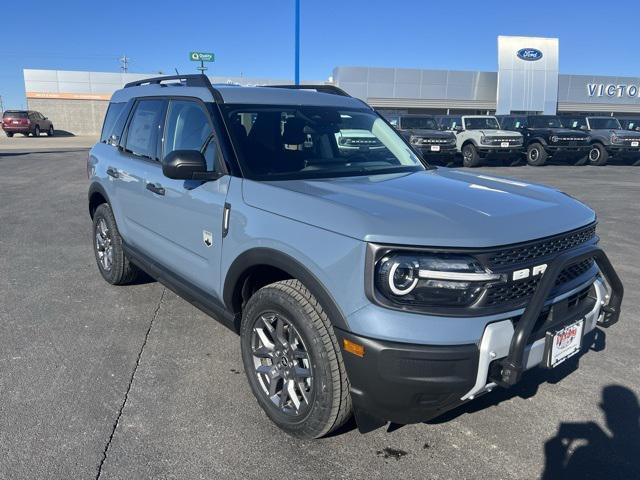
(261, 266)
(97, 196)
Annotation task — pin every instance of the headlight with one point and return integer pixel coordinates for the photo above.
(432, 280)
(614, 138)
(484, 140)
(554, 139)
(587, 138)
(413, 139)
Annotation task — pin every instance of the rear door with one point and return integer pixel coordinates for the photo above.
(130, 167)
(183, 218)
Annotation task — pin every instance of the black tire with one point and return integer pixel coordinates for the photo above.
(9, 134)
(536, 155)
(50, 132)
(329, 400)
(121, 270)
(598, 155)
(470, 157)
(36, 131)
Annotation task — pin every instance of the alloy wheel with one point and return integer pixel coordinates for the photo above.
(594, 154)
(533, 154)
(282, 364)
(104, 247)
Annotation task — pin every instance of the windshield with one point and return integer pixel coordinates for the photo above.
(419, 123)
(573, 122)
(604, 123)
(293, 142)
(544, 121)
(481, 123)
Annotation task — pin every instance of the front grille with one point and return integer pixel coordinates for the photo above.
(521, 290)
(543, 248)
(499, 140)
(435, 141)
(570, 139)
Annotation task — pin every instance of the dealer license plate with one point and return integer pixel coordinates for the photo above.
(504, 144)
(15, 122)
(634, 144)
(564, 343)
(436, 148)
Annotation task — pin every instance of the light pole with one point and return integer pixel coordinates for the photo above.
(297, 41)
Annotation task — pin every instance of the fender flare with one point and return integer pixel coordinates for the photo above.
(539, 140)
(274, 258)
(95, 187)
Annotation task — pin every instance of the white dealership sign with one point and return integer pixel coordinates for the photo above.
(612, 90)
(527, 75)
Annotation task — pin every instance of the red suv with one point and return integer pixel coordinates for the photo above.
(26, 122)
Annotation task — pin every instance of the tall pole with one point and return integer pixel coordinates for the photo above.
(297, 76)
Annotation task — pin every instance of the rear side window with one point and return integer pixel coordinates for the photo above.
(187, 127)
(10, 114)
(113, 112)
(144, 128)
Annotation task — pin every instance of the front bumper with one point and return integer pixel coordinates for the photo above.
(493, 150)
(622, 150)
(444, 150)
(405, 383)
(567, 150)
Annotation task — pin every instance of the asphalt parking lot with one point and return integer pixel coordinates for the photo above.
(133, 382)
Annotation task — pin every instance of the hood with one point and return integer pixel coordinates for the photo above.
(625, 133)
(562, 131)
(440, 207)
(428, 133)
(499, 133)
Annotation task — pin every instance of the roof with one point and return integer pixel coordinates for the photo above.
(233, 94)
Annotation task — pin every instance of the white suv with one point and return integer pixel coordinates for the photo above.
(479, 137)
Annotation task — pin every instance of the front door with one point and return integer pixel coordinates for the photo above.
(185, 216)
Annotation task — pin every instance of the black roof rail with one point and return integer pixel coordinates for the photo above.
(190, 80)
(332, 89)
(193, 80)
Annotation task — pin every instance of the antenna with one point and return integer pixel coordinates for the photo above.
(124, 64)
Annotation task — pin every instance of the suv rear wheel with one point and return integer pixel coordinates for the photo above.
(50, 132)
(598, 156)
(112, 262)
(536, 155)
(9, 134)
(36, 131)
(470, 157)
(293, 362)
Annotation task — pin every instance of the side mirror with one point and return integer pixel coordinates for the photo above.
(458, 128)
(185, 165)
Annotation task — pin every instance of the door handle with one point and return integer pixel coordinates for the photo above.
(112, 172)
(155, 188)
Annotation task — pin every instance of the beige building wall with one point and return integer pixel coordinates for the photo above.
(79, 117)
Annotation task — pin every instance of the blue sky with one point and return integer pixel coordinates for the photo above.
(255, 37)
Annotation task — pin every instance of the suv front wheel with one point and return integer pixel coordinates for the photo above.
(293, 362)
(112, 262)
(470, 157)
(598, 155)
(536, 155)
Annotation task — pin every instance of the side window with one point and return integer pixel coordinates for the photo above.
(142, 134)
(113, 112)
(187, 128)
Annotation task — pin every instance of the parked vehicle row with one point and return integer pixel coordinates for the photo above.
(477, 139)
(26, 122)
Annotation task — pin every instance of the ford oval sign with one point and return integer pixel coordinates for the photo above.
(529, 54)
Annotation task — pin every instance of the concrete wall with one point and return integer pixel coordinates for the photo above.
(80, 117)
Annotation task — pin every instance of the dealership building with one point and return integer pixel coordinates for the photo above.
(527, 81)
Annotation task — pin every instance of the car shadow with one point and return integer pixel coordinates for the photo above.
(586, 451)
